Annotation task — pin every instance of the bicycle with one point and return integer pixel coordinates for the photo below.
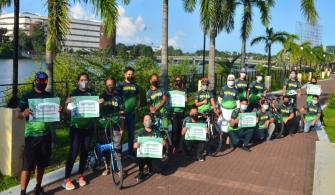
(96, 156)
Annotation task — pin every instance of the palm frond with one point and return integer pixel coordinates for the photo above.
(189, 5)
(5, 3)
(308, 9)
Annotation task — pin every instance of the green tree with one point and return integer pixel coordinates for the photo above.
(38, 39)
(24, 41)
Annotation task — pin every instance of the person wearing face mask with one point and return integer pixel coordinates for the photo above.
(265, 126)
(130, 94)
(292, 87)
(156, 96)
(112, 106)
(313, 81)
(37, 147)
(256, 91)
(242, 85)
(81, 133)
(204, 99)
(193, 148)
(311, 114)
(177, 115)
(240, 137)
(154, 164)
(287, 114)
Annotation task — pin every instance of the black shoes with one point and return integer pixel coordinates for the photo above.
(140, 177)
(245, 149)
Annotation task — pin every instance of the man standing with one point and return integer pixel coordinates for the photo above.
(242, 85)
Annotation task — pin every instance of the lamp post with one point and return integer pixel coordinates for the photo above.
(310, 61)
(323, 61)
(301, 49)
(204, 56)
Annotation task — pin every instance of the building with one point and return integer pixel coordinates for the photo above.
(83, 34)
(330, 49)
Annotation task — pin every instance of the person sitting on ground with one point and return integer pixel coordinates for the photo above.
(287, 114)
(193, 148)
(154, 164)
(311, 114)
(266, 124)
(238, 134)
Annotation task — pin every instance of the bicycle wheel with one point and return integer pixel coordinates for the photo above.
(117, 171)
(215, 141)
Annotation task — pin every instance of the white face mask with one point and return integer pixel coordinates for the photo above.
(204, 87)
(82, 84)
(243, 75)
(265, 107)
(244, 107)
(314, 102)
(293, 76)
(230, 83)
(147, 124)
(259, 79)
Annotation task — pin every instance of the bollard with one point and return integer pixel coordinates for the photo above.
(268, 82)
(299, 77)
(322, 75)
(309, 76)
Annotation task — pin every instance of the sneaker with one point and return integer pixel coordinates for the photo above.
(106, 172)
(245, 149)
(201, 159)
(81, 181)
(140, 177)
(39, 190)
(174, 150)
(68, 185)
(23, 192)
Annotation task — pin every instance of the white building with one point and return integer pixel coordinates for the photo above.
(83, 34)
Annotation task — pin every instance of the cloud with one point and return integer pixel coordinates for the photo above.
(78, 12)
(174, 40)
(127, 27)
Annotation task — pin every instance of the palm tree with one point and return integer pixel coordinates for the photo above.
(215, 16)
(164, 53)
(270, 38)
(264, 8)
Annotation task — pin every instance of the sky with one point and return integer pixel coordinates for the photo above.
(141, 22)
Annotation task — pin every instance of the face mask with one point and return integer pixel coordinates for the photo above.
(292, 76)
(204, 87)
(177, 83)
(41, 86)
(194, 117)
(230, 83)
(315, 102)
(265, 107)
(259, 79)
(244, 107)
(130, 79)
(155, 83)
(243, 75)
(110, 89)
(314, 83)
(147, 124)
(82, 84)
(286, 103)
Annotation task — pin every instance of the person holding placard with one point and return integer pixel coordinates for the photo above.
(256, 91)
(178, 99)
(242, 129)
(242, 85)
(313, 84)
(154, 164)
(265, 125)
(195, 145)
(311, 114)
(292, 87)
(130, 93)
(81, 129)
(111, 109)
(204, 99)
(37, 143)
(287, 115)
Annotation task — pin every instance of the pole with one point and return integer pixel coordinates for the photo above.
(204, 56)
(16, 52)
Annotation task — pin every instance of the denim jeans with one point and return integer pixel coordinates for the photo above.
(317, 126)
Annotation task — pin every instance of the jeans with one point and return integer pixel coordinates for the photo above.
(317, 126)
(243, 135)
(130, 128)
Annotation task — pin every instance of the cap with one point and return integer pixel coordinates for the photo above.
(41, 75)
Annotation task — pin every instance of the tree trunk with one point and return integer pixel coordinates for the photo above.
(164, 53)
(211, 60)
(113, 43)
(49, 60)
(243, 53)
(269, 60)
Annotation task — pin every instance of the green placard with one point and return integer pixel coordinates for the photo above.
(150, 147)
(313, 89)
(248, 119)
(196, 131)
(44, 110)
(85, 107)
(177, 99)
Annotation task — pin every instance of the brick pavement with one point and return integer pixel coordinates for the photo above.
(284, 166)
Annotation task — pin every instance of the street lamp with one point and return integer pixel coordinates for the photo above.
(324, 61)
(310, 61)
(301, 49)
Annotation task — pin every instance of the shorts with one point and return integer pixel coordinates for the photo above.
(37, 152)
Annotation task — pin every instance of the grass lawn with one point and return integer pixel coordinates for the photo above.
(330, 123)
(7, 182)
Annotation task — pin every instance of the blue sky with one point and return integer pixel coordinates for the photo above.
(141, 22)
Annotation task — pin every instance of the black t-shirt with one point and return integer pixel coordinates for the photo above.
(112, 104)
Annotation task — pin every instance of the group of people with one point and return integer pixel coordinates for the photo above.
(122, 101)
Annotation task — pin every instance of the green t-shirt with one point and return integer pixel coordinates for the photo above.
(234, 115)
(242, 87)
(155, 97)
(229, 97)
(256, 90)
(128, 93)
(84, 123)
(312, 111)
(285, 111)
(263, 117)
(292, 86)
(34, 128)
(143, 133)
(201, 96)
(112, 106)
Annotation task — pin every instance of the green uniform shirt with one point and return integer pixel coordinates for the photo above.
(82, 122)
(285, 111)
(143, 133)
(128, 93)
(312, 111)
(292, 86)
(229, 97)
(263, 117)
(34, 128)
(112, 106)
(155, 97)
(234, 115)
(256, 90)
(242, 87)
(201, 96)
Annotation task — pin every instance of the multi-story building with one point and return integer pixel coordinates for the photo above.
(83, 34)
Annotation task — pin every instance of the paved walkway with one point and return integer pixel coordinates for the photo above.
(284, 166)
